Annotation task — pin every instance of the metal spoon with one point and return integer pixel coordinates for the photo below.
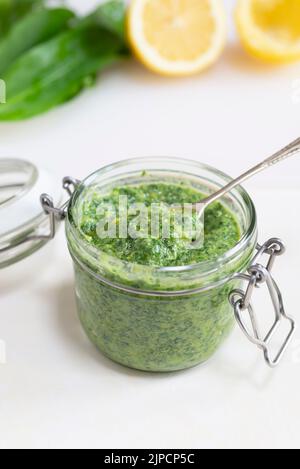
(290, 150)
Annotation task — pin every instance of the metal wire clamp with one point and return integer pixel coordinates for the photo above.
(259, 275)
(57, 213)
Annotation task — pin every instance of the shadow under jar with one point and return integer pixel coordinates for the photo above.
(158, 319)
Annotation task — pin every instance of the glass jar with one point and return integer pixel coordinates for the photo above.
(147, 318)
(158, 319)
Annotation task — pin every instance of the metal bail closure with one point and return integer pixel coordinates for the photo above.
(259, 275)
(57, 214)
(28, 225)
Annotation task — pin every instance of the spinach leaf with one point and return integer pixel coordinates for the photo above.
(35, 28)
(13, 10)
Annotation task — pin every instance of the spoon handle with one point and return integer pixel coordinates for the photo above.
(290, 150)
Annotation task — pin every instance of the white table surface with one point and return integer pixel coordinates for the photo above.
(56, 390)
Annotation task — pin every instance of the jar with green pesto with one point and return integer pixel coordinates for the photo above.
(150, 303)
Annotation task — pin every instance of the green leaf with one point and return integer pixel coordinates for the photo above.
(33, 29)
(13, 10)
(111, 16)
(56, 71)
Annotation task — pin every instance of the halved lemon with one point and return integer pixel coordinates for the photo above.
(177, 37)
(270, 29)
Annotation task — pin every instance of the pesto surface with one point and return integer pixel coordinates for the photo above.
(221, 229)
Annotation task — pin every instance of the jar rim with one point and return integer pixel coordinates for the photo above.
(203, 268)
(28, 171)
(23, 218)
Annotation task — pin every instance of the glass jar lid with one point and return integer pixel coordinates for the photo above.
(21, 214)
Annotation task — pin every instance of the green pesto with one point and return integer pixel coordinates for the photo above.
(153, 333)
(221, 229)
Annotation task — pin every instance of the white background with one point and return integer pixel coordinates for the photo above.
(56, 390)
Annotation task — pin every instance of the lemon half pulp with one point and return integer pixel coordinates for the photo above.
(270, 29)
(177, 37)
